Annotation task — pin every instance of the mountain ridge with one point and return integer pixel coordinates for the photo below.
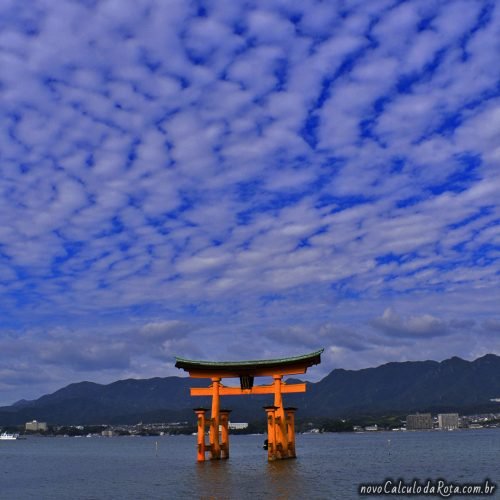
(453, 384)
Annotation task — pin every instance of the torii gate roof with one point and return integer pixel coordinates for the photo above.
(261, 367)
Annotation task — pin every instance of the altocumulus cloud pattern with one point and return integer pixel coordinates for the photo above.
(267, 177)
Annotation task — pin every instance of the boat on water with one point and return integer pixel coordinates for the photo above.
(5, 436)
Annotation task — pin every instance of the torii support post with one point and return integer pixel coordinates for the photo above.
(224, 423)
(201, 420)
(290, 423)
(281, 421)
(223, 445)
(271, 432)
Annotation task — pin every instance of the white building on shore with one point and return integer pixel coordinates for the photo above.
(448, 421)
(238, 425)
(35, 426)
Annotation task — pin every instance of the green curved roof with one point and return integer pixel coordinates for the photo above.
(313, 358)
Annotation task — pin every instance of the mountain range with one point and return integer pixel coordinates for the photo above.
(393, 388)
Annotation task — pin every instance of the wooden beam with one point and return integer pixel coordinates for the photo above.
(237, 391)
(254, 372)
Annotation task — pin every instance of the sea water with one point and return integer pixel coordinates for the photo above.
(328, 466)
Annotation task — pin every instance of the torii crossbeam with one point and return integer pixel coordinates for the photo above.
(280, 420)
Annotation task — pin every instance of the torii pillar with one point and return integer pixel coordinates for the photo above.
(214, 421)
(280, 420)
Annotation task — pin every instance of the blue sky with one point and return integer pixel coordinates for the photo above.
(231, 180)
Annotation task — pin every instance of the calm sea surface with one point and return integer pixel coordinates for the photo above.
(328, 466)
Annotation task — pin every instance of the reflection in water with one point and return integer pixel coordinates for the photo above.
(214, 480)
(284, 479)
(240, 478)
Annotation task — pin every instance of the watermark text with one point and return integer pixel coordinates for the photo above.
(437, 487)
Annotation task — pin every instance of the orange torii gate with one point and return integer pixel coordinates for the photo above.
(280, 420)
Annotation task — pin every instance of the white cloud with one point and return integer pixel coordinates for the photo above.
(259, 166)
(424, 326)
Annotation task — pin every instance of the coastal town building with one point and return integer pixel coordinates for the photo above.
(35, 426)
(448, 421)
(235, 426)
(419, 421)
